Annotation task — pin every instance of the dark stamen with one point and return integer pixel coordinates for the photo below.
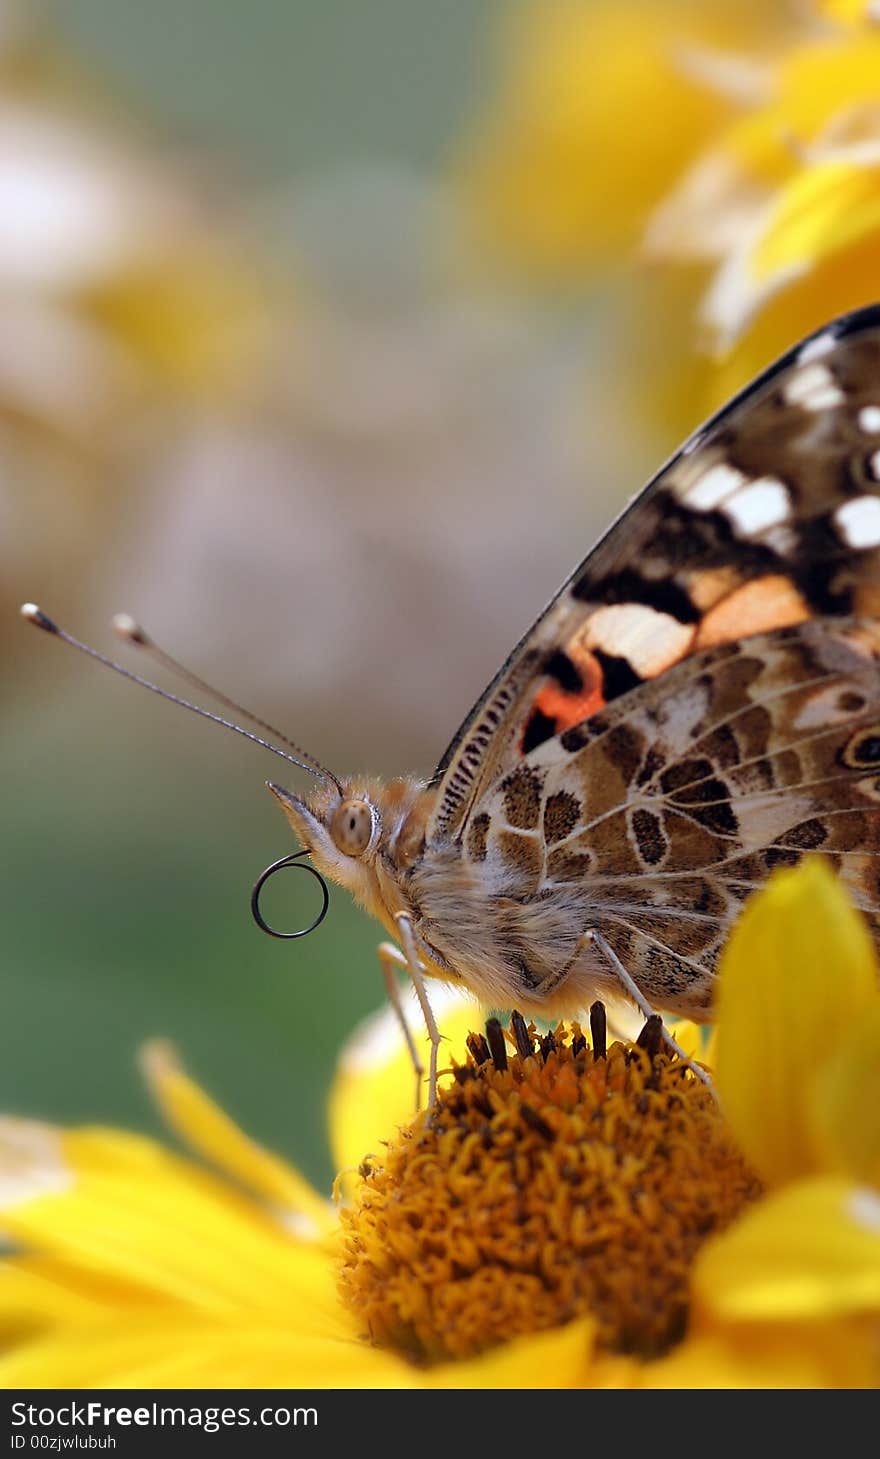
(598, 1030)
(578, 1044)
(651, 1037)
(536, 1123)
(477, 1048)
(548, 1045)
(519, 1029)
(463, 1073)
(497, 1046)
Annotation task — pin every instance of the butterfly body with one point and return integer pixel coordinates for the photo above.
(698, 704)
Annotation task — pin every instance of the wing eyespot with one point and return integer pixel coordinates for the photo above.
(862, 750)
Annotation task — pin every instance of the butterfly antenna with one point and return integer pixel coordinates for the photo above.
(134, 633)
(35, 615)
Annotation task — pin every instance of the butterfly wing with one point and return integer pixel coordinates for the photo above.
(663, 811)
(768, 517)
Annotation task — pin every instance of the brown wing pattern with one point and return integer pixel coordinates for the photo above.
(768, 517)
(657, 816)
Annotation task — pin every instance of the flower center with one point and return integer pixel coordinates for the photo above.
(554, 1180)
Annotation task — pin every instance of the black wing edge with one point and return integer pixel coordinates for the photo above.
(845, 326)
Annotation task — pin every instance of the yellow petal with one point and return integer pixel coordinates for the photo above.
(208, 1130)
(691, 1037)
(374, 1091)
(817, 82)
(838, 1354)
(561, 1358)
(798, 971)
(127, 1212)
(809, 1252)
(601, 106)
(146, 1352)
(849, 12)
(754, 198)
(846, 1103)
(840, 282)
(823, 210)
(37, 1294)
(710, 211)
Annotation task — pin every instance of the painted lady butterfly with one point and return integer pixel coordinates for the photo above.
(698, 704)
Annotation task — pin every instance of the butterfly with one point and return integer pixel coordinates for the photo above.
(698, 704)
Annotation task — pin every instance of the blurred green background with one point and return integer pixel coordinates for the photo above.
(250, 394)
(292, 86)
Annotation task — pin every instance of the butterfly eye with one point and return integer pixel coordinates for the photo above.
(352, 826)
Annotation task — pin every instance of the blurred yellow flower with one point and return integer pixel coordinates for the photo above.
(850, 11)
(600, 106)
(131, 296)
(121, 277)
(141, 1268)
(740, 145)
(784, 204)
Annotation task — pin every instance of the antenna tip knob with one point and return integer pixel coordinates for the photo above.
(35, 615)
(129, 629)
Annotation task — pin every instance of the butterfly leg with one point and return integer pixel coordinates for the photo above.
(390, 958)
(632, 989)
(414, 968)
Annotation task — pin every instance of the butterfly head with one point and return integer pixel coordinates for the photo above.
(358, 832)
(340, 829)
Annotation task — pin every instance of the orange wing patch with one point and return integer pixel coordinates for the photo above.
(623, 644)
(566, 709)
(573, 692)
(760, 606)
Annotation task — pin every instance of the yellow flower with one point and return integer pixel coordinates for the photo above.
(799, 1275)
(545, 1159)
(740, 144)
(600, 107)
(121, 279)
(784, 202)
(801, 965)
(850, 12)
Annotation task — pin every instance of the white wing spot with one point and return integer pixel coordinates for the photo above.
(713, 486)
(649, 640)
(763, 504)
(813, 387)
(869, 418)
(783, 540)
(858, 522)
(814, 349)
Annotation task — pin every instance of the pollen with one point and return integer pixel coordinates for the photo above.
(555, 1179)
